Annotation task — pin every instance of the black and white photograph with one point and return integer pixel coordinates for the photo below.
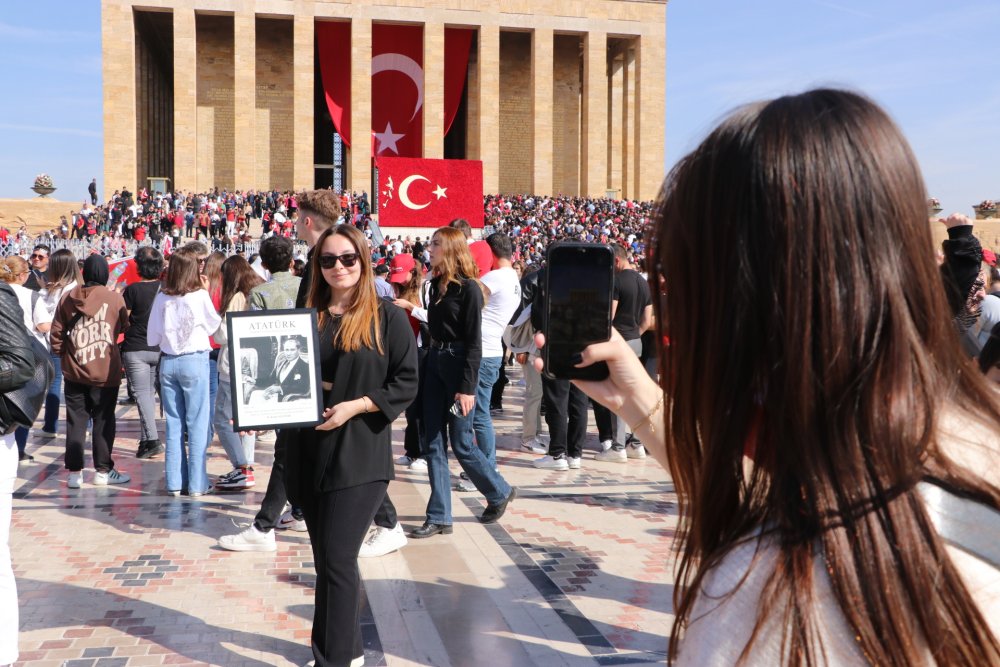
(275, 380)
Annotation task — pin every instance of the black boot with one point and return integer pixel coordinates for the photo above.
(148, 449)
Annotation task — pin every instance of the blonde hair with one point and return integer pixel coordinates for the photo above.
(12, 267)
(456, 263)
(360, 326)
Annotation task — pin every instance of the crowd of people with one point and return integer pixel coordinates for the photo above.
(813, 402)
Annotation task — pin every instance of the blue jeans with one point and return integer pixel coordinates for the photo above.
(53, 397)
(184, 395)
(440, 384)
(213, 390)
(238, 448)
(482, 422)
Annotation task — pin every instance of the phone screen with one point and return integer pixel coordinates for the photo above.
(579, 281)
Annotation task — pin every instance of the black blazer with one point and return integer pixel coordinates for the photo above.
(360, 451)
(296, 383)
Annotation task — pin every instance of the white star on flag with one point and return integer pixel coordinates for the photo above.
(440, 192)
(388, 139)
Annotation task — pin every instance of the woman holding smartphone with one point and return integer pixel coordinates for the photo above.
(828, 438)
(338, 472)
(454, 318)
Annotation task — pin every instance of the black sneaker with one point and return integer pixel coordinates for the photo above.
(148, 449)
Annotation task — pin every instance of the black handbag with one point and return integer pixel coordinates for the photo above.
(20, 407)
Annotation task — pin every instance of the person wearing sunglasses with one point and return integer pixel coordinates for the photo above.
(339, 471)
(39, 273)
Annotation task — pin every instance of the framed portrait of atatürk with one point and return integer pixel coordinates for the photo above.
(274, 369)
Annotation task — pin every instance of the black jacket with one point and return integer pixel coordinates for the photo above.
(963, 258)
(360, 451)
(17, 361)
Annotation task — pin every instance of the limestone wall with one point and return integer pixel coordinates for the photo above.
(39, 214)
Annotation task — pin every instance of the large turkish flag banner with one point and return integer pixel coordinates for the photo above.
(416, 192)
(397, 90)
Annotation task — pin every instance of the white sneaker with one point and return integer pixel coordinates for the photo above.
(45, 435)
(267, 437)
(612, 455)
(289, 522)
(606, 445)
(249, 539)
(534, 446)
(404, 460)
(383, 541)
(552, 463)
(574, 462)
(418, 465)
(636, 451)
(75, 480)
(111, 477)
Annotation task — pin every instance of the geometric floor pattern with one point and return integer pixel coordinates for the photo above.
(578, 572)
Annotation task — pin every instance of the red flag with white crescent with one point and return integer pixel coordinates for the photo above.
(417, 192)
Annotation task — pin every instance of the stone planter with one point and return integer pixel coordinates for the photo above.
(43, 192)
(935, 211)
(984, 213)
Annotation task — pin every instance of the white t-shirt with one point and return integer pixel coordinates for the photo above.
(182, 324)
(505, 297)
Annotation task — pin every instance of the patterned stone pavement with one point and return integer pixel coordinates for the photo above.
(577, 573)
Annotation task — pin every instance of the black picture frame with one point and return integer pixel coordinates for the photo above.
(274, 369)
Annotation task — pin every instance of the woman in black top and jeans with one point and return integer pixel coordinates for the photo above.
(454, 317)
(338, 472)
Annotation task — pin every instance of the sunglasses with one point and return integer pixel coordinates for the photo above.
(37, 256)
(348, 259)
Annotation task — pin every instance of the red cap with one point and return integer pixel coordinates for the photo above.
(400, 267)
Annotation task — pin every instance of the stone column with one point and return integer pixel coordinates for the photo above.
(185, 101)
(245, 97)
(303, 66)
(434, 90)
(541, 109)
(629, 114)
(360, 163)
(118, 70)
(594, 172)
(650, 83)
(616, 120)
(489, 105)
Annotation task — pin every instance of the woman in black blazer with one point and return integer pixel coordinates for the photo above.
(339, 472)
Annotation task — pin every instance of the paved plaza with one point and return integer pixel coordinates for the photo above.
(578, 572)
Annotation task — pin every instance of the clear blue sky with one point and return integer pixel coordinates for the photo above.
(933, 65)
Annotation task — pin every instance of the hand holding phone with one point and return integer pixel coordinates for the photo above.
(579, 282)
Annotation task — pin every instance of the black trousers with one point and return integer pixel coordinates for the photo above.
(338, 522)
(83, 403)
(413, 433)
(274, 498)
(566, 416)
(385, 517)
(606, 421)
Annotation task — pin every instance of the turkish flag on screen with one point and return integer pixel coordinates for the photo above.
(416, 192)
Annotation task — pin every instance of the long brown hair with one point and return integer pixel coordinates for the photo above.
(182, 276)
(820, 361)
(456, 264)
(63, 270)
(213, 271)
(360, 325)
(237, 276)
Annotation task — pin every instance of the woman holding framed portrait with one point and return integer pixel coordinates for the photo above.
(338, 472)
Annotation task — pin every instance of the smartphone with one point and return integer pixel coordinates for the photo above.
(579, 281)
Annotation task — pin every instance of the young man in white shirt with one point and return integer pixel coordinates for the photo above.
(504, 296)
